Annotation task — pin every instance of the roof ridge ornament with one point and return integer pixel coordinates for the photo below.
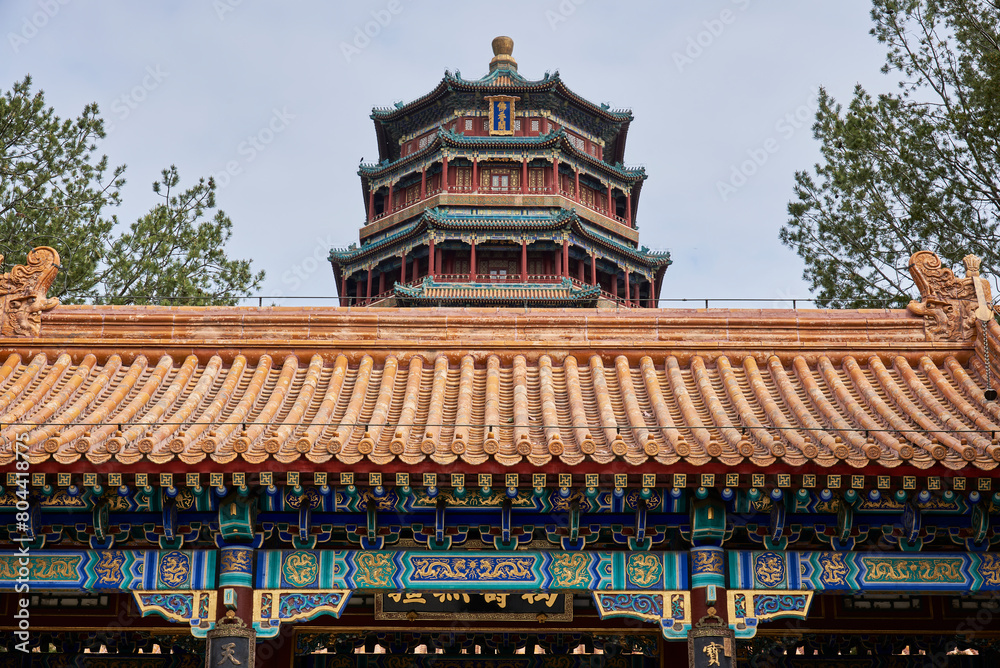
(503, 49)
(23, 291)
(949, 305)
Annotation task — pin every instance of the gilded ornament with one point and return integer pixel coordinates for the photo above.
(644, 569)
(707, 561)
(109, 568)
(570, 569)
(174, 569)
(300, 568)
(373, 570)
(769, 568)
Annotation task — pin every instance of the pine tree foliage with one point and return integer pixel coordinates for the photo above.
(910, 170)
(56, 191)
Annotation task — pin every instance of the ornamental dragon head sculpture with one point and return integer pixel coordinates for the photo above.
(949, 305)
(24, 292)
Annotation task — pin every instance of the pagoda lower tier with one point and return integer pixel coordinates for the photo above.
(469, 256)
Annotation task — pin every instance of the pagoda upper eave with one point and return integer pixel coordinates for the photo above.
(447, 138)
(452, 82)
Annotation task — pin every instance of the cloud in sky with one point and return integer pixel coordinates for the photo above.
(274, 100)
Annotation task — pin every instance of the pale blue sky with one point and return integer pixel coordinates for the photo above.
(711, 83)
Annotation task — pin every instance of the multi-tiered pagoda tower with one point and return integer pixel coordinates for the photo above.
(500, 191)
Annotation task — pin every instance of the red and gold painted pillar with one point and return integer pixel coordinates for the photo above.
(524, 260)
(576, 185)
(628, 288)
(565, 258)
(555, 175)
(628, 209)
(430, 257)
(524, 175)
(444, 173)
(402, 268)
(710, 641)
(472, 261)
(423, 183)
(475, 174)
(593, 269)
(371, 204)
(387, 209)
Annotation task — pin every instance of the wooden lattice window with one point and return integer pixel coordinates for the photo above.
(412, 194)
(536, 178)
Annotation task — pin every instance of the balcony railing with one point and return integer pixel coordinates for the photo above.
(499, 190)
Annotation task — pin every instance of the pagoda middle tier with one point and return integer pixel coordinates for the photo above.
(497, 191)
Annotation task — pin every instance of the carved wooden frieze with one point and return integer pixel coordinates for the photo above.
(23, 290)
(947, 303)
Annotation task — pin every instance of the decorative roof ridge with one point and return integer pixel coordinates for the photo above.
(459, 138)
(439, 215)
(106, 330)
(548, 80)
(621, 115)
(654, 258)
(618, 168)
(455, 81)
(375, 168)
(353, 252)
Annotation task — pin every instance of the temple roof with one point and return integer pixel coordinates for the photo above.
(175, 389)
(502, 79)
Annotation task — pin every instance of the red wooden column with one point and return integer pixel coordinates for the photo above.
(444, 173)
(472, 262)
(423, 182)
(593, 269)
(555, 175)
(388, 205)
(416, 269)
(524, 175)
(345, 299)
(524, 260)
(368, 295)
(579, 271)
(402, 269)
(628, 289)
(360, 293)
(576, 186)
(371, 204)
(614, 284)
(430, 258)
(381, 282)
(557, 264)
(628, 208)
(565, 258)
(475, 174)
(611, 208)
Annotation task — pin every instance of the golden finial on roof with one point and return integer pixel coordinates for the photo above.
(503, 47)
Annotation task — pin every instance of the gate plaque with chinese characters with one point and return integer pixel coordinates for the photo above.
(514, 606)
(231, 644)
